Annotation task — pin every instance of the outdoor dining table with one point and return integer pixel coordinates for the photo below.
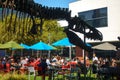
(52, 70)
(57, 70)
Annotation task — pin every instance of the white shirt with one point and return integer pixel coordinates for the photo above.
(95, 58)
(48, 61)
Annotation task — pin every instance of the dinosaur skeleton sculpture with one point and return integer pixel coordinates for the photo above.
(33, 10)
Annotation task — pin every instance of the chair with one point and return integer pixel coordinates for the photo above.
(1, 66)
(59, 74)
(7, 67)
(31, 70)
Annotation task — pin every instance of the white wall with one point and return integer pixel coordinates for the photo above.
(111, 32)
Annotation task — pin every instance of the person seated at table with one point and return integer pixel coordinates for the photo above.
(54, 59)
(48, 62)
(113, 62)
(37, 61)
(3, 62)
(66, 65)
(105, 70)
(62, 60)
(12, 65)
(23, 63)
(17, 65)
(31, 62)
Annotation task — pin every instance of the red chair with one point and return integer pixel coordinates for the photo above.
(7, 67)
(65, 66)
(73, 64)
(26, 65)
(1, 66)
(36, 65)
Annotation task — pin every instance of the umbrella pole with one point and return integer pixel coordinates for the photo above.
(49, 53)
(70, 60)
(61, 50)
(12, 53)
(32, 52)
(5, 52)
(70, 52)
(21, 52)
(37, 53)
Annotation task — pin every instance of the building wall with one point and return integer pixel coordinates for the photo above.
(112, 31)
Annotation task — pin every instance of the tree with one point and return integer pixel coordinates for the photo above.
(17, 29)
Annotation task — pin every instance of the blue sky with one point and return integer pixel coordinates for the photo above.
(55, 3)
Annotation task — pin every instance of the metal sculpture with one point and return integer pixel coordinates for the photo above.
(31, 9)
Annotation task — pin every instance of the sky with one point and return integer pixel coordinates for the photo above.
(55, 3)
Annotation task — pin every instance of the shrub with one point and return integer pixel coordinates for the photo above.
(13, 76)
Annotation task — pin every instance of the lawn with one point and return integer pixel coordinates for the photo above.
(61, 78)
(15, 76)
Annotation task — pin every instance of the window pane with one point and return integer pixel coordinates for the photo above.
(86, 15)
(96, 18)
(98, 22)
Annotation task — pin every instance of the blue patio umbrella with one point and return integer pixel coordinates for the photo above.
(25, 46)
(88, 44)
(63, 42)
(42, 46)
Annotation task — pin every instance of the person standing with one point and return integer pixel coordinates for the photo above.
(95, 58)
(44, 67)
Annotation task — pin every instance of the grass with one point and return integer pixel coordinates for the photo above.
(14, 76)
(88, 77)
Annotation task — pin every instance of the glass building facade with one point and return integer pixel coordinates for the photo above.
(96, 18)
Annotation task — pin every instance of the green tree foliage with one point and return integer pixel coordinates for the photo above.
(17, 29)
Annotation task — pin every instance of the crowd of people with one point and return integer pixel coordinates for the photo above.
(42, 64)
(107, 67)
